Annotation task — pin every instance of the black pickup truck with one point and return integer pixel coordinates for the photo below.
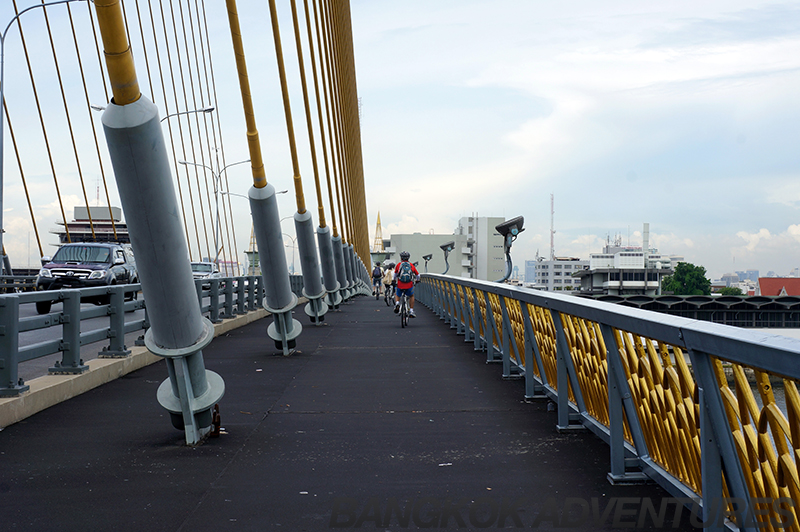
(84, 265)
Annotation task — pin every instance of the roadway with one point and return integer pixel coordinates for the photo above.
(365, 416)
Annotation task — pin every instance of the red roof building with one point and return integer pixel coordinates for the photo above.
(779, 286)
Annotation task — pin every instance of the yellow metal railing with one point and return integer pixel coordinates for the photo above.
(752, 409)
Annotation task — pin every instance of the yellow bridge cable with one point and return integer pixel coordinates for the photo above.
(336, 158)
(298, 182)
(69, 121)
(217, 154)
(219, 130)
(94, 131)
(256, 160)
(169, 128)
(41, 121)
(189, 129)
(180, 129)
(223, 250)
(22, 175)
(322, 60)
(309, 120)
(321, 122)
(189, 53)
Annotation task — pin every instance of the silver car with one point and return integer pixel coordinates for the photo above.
(206, 271)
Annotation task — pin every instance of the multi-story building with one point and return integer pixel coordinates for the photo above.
(530, 271)
(624, 270)
(749, 275)
(477, 252)
(558, 274)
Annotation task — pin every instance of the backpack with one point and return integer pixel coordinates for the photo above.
(405, 273)
(377, 272)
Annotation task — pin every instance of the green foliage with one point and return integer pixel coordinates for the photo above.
(731, 291)
(688, 280)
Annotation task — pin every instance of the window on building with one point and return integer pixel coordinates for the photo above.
(557, 266)
(613, 276)
(568, 266)
(556, 281)
(557, 273)
(544, 266)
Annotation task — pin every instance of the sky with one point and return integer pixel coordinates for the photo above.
(684, 115)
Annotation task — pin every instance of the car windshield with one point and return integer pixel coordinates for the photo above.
(82, 254)
(202, 268)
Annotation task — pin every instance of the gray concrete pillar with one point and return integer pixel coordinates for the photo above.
(328, 266)
(312, 276)
(177, 331)
(279, 299)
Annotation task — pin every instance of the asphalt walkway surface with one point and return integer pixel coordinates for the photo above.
(368, 426)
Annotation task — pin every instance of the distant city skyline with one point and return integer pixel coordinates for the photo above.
(683, 114)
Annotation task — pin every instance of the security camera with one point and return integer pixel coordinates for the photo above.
(448, 246)
(511, 227)
(427, 257)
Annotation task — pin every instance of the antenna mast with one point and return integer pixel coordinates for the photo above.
(552, 229)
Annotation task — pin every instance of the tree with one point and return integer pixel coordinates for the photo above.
(688, 280)
(731, 291)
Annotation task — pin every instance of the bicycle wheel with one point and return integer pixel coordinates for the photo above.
(403, 312)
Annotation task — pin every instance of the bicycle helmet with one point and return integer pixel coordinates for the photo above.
(405, 255)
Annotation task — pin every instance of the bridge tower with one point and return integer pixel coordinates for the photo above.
(377, 246)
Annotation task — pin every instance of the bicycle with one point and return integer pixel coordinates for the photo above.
(403, 310)
(388, 295)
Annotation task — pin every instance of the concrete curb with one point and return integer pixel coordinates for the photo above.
(50, 390)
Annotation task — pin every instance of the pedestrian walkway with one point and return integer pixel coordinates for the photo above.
(367, 426)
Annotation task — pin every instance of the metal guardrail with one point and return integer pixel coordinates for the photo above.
(226, 297)
(11, 284)
(670, 395)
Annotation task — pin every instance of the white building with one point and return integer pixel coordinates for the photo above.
(477, 252)
(554, 275)
(624, 270)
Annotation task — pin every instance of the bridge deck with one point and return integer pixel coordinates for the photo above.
(365, 414)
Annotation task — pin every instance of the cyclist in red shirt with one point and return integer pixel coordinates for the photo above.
(406, 274)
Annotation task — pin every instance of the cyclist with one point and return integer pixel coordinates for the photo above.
(388, 280)
(377, 275)
(405, 274)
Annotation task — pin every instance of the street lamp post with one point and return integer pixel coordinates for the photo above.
(294, 243)
(5, 264)
(206, 110)
(217, 183)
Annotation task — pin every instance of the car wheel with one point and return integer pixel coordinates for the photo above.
(43, 307)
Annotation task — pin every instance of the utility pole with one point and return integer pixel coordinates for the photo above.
(552, 229)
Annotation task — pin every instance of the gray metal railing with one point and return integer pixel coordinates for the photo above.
(219, 298)
(672, 396)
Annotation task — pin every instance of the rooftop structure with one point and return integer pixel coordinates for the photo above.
(623, 270)
(101, 226)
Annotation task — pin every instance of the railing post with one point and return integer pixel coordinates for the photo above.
(507, 342)
(619, 401)
(489, 328)
(716, 431)
(566, 375)
(214, 292)
(116, 322)
(228, 297)
(10, 383)
(251, 292)
(240, 298)
(459, 310)
(468, 334)
(71, 362)
(710, 470)
(533, 390)
(476, 321)
(145, 325)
